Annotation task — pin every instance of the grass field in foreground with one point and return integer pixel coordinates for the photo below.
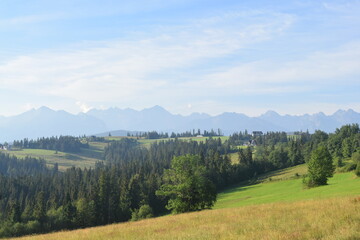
(342, 184)
(328, 219)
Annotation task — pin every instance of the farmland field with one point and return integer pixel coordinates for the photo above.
(342, 184)
(86, 158)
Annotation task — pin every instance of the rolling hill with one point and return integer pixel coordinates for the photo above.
(268, 210)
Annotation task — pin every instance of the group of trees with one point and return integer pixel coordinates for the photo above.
(193, 133)
(62, 143)
(137, 182)
(123, 188)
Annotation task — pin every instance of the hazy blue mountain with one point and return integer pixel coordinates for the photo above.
(47, 122)
(157, 118)
(148, 119)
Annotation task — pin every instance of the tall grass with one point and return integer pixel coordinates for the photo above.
(337, 218)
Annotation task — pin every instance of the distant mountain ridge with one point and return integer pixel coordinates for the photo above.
(47, 122)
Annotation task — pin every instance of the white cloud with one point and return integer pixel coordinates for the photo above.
(267, 76)
(83, 106)
(126, 70)
(158, 68)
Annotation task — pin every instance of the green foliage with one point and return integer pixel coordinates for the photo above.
(187, 185)
(86, 213)
(348, 167)
(62, 143)
(279, 158)
(40, 208)
(357, 170)
(15, 215)
(145, 211)
(289, 190)
(356, 157)
(320, 167)
(338, 161)
(131, 173)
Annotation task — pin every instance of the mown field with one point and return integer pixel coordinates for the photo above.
(148, 142)
(86, 158)
(341, 185)
(279, 208)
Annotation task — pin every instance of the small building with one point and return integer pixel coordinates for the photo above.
(4, 147)
(257, 133)
(250, 143)
(199, 136)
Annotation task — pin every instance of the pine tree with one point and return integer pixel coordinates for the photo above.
(320, 167)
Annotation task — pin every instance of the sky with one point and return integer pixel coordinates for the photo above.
(210, 56)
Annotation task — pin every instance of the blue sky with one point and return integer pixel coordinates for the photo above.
(293, 57)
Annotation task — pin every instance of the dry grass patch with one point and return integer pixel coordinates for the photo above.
(337, 218)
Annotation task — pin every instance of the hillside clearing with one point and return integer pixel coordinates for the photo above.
(342, 184)
(84, 159)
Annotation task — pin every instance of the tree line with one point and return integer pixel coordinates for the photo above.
(62, 143)
(193, 133)
(136, 182)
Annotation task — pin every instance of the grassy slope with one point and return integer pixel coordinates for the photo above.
(342, 184)
(269, 210)
(331, 219)
(86, 158)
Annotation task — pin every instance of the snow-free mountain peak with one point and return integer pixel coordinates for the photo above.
(47, 122)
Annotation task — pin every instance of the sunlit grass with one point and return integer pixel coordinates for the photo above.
(336, 218)
(84, 159)
(342, 184)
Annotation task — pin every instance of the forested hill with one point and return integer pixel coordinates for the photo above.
(137, 182)
(45, 122)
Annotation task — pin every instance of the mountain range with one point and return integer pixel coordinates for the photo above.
(47, 122)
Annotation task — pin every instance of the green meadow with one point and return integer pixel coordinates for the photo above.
(84, 159)
(88, 156)
(290, 190)
(272, 209)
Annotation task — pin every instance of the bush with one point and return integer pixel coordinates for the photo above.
(33, 227)
(18, 229)
(356, 157)
(338, 162)
(357, 170)
(348, 167)
(5, 231)
(145, 211)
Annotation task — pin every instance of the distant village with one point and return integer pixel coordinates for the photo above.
(5, 147)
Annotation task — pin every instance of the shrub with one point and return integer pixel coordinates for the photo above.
(357, 170)
(33, 226)
(145, 211)
(348, 167)
(18, 229)
(356, 157)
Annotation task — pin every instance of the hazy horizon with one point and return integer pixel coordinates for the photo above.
(185, 115)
